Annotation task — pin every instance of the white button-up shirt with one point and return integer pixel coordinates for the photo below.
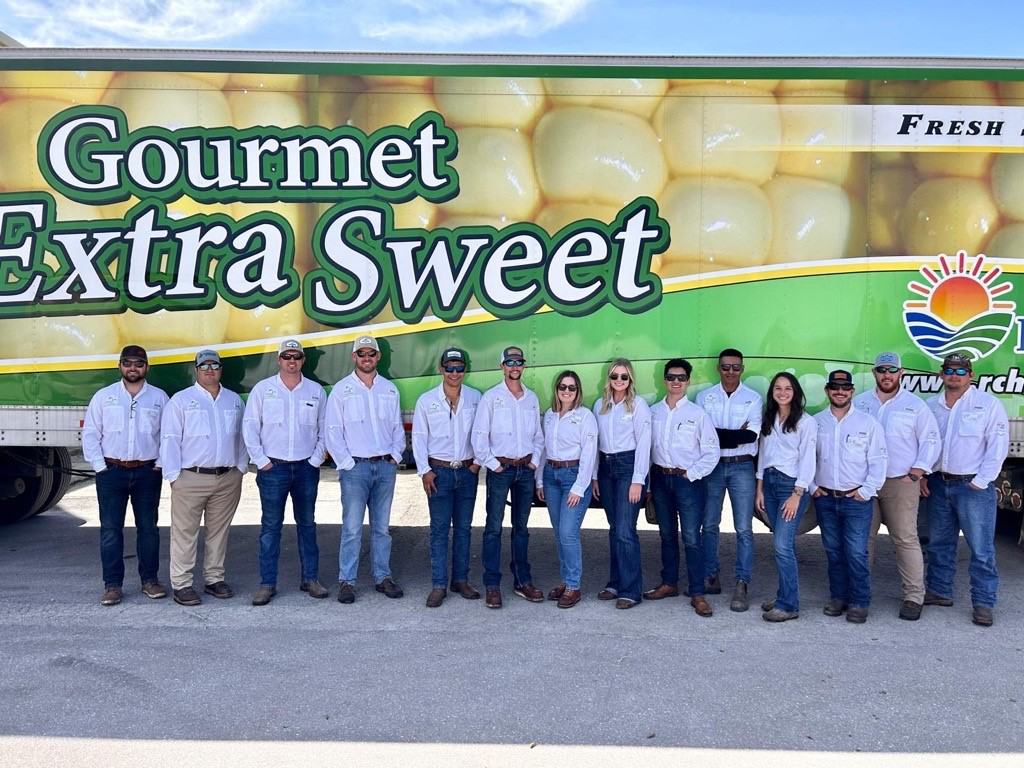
(123, 427)
(287, 424)
(568, 438)
(911, 433)
(975, 435)
(791, 453)
(851, 453)
(621, 430)
(733, 411)
(364, 421)
(441, 433)
(684, 438)
(200, 430)
(507, 426)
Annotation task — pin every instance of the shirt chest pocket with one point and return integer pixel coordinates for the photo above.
(440, 423)
(971, 424)
(386, 407)
(273, 411)
(197, 423)
(354, 408)
(231, 421)
(902, 424)
(113, 418)
(684, 433)
(149, 420)
(308, 410)
(855, 445)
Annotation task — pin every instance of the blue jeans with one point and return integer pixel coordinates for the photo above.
(566, 521)
(614, 476)
(845, 529)
(369, 485)
(777, 487)
(953, 506)
(300, 480)
(520, 481)
(679, 502)
(738, 478)
(114, 487)
(451, 507)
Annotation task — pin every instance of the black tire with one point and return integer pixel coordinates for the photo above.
(38, 487)
(60, 460)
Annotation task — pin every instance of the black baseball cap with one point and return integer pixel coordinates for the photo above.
(839, 377)
(134, 352)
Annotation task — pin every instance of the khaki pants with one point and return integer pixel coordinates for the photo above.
(192, 495)
(896, 506)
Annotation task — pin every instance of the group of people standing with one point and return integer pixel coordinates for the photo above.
(864, 460)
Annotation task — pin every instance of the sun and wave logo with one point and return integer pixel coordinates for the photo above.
(960, 312)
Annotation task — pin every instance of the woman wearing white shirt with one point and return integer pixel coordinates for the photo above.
(624, 440)
(785, 471)
(563, 479)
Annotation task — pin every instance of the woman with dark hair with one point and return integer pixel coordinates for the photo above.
(563, 479)
(624, 440)
(785, 471)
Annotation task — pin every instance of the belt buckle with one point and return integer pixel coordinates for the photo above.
(455, 465)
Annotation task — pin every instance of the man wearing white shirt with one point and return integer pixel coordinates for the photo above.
(961, 490)
(203, 458)
(735, 410)
(366, 438)
(684, 450)
(283, 427)
(442, 430)
(121, 440)
(851, 468)
(508, 440)
(912, 441)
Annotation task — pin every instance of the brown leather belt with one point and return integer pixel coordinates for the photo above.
(670, 470)
(837, 494)
(563, 464)
(208, 470)
(442, 464)
(133, 464)
(506, 461)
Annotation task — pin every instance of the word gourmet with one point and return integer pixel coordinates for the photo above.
(147, 259)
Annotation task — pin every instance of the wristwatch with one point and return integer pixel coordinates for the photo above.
(798, 491)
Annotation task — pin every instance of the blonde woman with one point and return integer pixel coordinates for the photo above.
(624, 459)
(563, 479)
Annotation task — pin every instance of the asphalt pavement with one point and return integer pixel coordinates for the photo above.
(473, 686)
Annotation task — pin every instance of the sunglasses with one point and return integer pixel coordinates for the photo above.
(454, 369)
(956, 371)
(840, 387)
(566, 387)
(292, 356)
(731, 367)
(134, 363)
(618, 377)
(677, 377)
(513, 363)
(209, 366)
(887, 369)
(364, 353)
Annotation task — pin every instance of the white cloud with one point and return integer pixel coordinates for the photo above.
(158, 23)
(441, 22)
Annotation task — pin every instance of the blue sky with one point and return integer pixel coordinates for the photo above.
(653, 27)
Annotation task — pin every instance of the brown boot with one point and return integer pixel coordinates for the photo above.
(569, 598)
(701, 606)
(436, 597)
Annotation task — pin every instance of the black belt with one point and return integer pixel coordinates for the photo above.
(955, 478)
(563, 464)
(619, 455)
(287, 461)
(132, 464)
(209, 470)
(735, 459)
(382, 457)
(442, 464)
(670, 470)
(837, 494)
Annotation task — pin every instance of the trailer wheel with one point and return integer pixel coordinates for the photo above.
(28, 482)
(61, 463)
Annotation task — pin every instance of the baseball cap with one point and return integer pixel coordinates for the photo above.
(888, 358)
(134, 351)
(206, 356)
(511, 353)
(365, 342)
(453, 353)
(289, 345)
(839, 376)
(957, 360)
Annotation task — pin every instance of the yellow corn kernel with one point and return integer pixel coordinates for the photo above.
(164, 329)
(888, 192)
(1008, 185)
(21, 121)
(735, 135)
(854, 88)
(810, 120)
(557, 215)
(634, 95)
(262, 81)
(1007, 243)
(335, 97)
(266, 322)
(715, 224)
(71, 336)
(77, 87)
(600, 155)
(167, 99)
(759, 85)
(497, 102)
(252, 108)
(496, 176)
(811, 220)
(389, 106)
(946, 215)
(415, 214)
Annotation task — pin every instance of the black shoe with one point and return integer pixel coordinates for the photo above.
(713, 585)
(186, 596)
(219, 589)
(856, 614)
(834, 608)
(982, 616)
(930, 598)
(740, 602)
(910, 611)
(346, 593)
(389, 588)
